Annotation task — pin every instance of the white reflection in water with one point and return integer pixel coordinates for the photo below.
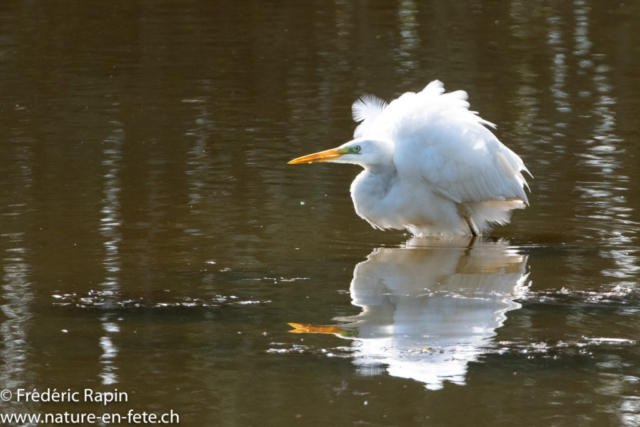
(431, 307)
(581, 32)
(409, 38)
(110, 230)
(17, 293)
(199, 160)
(606, 190)
(16, 309)
(559, 66)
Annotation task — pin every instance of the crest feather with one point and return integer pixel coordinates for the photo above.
(368, 107)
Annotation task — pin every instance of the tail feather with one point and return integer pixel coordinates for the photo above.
(499, 212)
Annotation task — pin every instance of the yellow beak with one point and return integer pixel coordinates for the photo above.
(322, 156)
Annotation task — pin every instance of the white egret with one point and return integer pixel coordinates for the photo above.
(430, 165)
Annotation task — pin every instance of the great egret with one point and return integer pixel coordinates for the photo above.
(430, 165)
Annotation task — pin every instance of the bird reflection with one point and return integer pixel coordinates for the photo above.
(429, 307)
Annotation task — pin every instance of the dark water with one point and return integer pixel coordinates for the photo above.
(154, 240)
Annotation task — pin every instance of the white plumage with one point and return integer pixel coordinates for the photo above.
(431, 165)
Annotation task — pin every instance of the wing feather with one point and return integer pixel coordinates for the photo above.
(440, 143)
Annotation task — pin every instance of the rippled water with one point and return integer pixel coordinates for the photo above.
(153, 239)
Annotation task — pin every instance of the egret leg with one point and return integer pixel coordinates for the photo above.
(472, 226)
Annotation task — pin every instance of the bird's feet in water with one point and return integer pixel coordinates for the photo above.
(472, 227)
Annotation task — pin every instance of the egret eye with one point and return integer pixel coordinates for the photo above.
(356, 149)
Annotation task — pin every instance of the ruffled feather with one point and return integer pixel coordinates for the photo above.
(368, 107)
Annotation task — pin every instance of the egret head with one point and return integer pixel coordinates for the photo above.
(368, 153)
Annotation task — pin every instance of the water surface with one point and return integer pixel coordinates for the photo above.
(153, 239)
